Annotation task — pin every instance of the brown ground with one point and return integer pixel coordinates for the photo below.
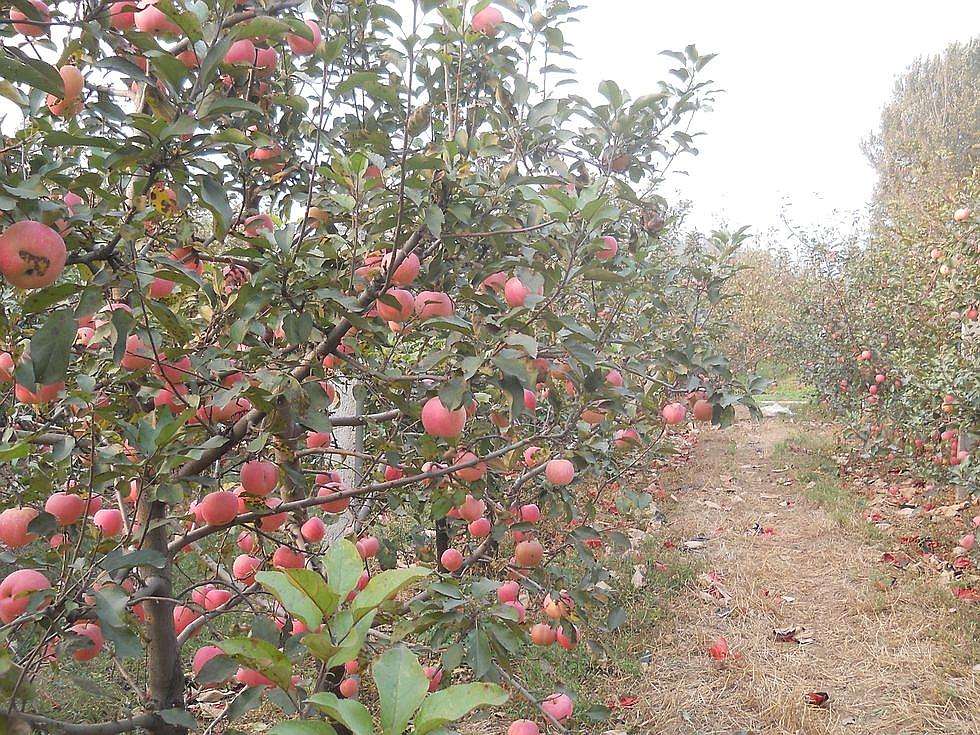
(895, 656)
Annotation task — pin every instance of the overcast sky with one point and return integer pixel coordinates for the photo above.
(804, 83)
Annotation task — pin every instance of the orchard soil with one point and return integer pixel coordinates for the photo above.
(766, 530)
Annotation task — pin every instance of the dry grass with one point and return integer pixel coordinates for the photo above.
(896, 657)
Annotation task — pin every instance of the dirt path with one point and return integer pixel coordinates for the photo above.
(891, 656)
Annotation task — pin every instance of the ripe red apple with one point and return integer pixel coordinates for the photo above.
(241, 53)
(434, 675)
(184, 616)
(219, 508)
(258, 223)
(174, 371)
(71, 104)
(495, 281)
(529, 454)
(487, 20)
(122, 15)
(215, 598)
(301, 46)
(480, 528)
(542, 634)
(332, 506)
(624, 438)
(469, 474)
(16, 590)
(65, 507)
(393, 473)
(440, 421)
(13, 527)
(718, 650)
(565, 641)
(259, 477)
(32, 255)
(508, 591)
(244, 568)
(472, 508)
(349, 686)
(521, 612)
(702, 410)
(515, 292)
(559, 471)
(313, 530)
(252, 678)
(523, 727)
(609, 248)
(44, 394)
(29, 28)
(286, 558)
(152, 20)
(406, 272)
(615, 378)
(433, 304)
(368, 547)
(528, 553)
(530, 513)
(674, 413)
(137, 356)
(201, 657)
(109, 521)
(401, 312)
(451, 560)
(96, 641)
(273, 521)
(7, 366)
(558, 706)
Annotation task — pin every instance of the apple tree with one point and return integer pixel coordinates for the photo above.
(319, 320)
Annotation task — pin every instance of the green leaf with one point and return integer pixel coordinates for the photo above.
(180, 717)
(261, 656)
(216, 199)
(384, 586)
(434, 219)
(33, 72)
(449, 705)
(348, 712)
(343, 566)
(51, 347)
(264, 25)
(402, 685)
(350, 640)
(313, 586)
(292, 598)
(303, 727)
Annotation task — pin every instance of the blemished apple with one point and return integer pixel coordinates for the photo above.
(32, 255)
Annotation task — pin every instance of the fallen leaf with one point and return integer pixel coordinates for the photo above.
(793, 634)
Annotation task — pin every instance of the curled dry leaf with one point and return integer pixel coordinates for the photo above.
(793, 634)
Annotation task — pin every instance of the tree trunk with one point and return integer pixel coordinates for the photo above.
(165, 679)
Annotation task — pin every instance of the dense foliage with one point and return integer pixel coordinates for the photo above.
(317, 318)
(885, 324)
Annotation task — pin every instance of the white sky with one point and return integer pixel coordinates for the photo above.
(804, 83)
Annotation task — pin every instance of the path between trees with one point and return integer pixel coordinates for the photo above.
(891, 654)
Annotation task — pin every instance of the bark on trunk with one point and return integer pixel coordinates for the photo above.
(165, 679)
